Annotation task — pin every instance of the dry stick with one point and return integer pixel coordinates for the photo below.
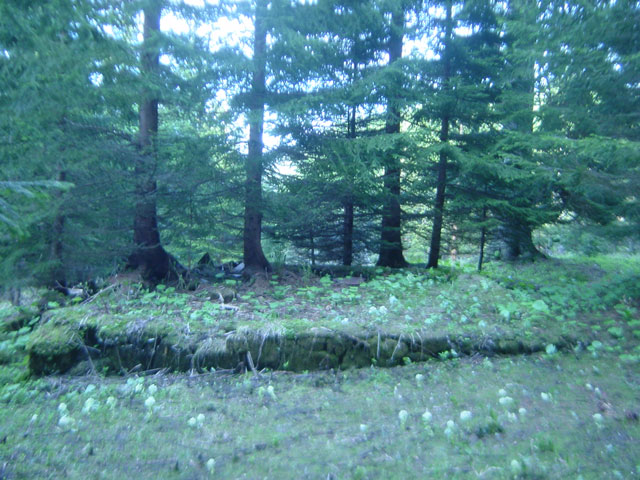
(251, 365)
(396, 349)
(93, 297)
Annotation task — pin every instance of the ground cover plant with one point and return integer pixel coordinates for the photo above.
(570, 410)
(299, 322)
(542, 416)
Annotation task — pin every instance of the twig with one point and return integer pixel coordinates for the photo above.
(251, 365)
(94, 296)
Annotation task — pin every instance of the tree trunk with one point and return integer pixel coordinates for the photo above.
(438, 214)
(149, 255)
(516, 231)
(391, 254)
(518, 242)
(254, 258)
(347, 234)
(483, 237)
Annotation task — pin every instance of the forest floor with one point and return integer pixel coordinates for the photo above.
(568, 410)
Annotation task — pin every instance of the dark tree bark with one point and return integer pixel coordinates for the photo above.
(483, 238)
(518, 242)
(438, 214)
(149, 255)
(254, 258)
(391, 254)
(347, 234)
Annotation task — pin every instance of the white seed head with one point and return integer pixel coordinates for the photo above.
(465, 415)
(150, 402)
(211, 465)
(152, 389)
(403, 415)
(66, 421)
(427, 416)
(505, 401)
(192, 422)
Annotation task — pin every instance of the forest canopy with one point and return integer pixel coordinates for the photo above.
(147, 133)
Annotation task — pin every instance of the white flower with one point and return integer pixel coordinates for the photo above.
(66, 421)
(200, 419)
(34, 417)
(551, 349)
(382, 310)
(211, 465)
(502, 392)
(396, 392)
(598, 418)
(363, 427)
(545, 396)
(111, 402)
(449, 432)
(419, 378)
(89, 405)
(138, 388)
(465, 415)
(505, 401)
(451, 424)
(150, 402)
(90, 388)
(152, 389)
(516, 467)
(392, 300)
(271, 392)
(512, 417)
(62, 408)
(588, 386)
(427, 416)
(192, 422)
(522, 411)
(403, 415)
(373, 310)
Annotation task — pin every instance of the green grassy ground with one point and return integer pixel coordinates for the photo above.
(554, 415)
(534, 304)
(550, 416)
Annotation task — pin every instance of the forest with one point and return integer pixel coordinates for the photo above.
(147, 134)
(320, 239)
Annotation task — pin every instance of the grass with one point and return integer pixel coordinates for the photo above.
(533, 305)
(551, 415)
(334, 424)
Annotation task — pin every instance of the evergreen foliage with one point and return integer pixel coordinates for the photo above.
(460, 124)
